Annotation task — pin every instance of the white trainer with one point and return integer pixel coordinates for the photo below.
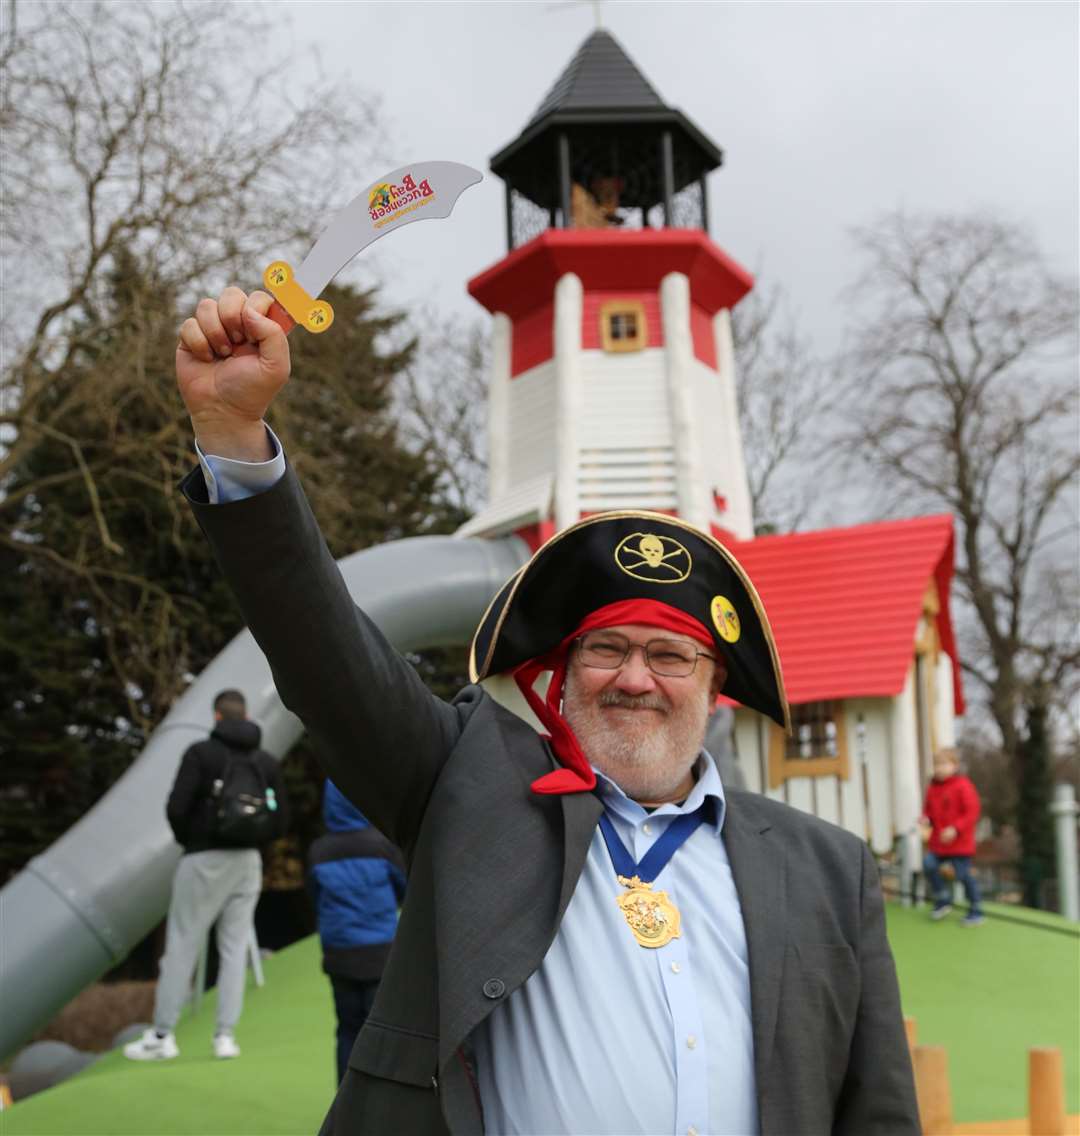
(225, 1046)
(150, 1047)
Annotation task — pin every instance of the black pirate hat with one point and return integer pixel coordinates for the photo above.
(634, 555)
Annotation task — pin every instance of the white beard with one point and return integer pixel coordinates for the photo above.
(647, 748)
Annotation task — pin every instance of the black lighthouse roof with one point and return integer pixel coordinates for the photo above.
(603, 122)
(600, 77)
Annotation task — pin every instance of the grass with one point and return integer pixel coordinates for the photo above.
(987, 994)
(281, 1084)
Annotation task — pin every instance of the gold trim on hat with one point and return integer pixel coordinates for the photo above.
(476, 674)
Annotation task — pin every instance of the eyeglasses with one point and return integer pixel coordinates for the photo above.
(608, 650)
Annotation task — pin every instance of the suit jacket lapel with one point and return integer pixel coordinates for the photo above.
(758, 868)
(463, 903)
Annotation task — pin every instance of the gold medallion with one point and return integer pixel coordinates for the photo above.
(652, 917)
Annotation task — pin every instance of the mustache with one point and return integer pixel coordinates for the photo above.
(633, 701)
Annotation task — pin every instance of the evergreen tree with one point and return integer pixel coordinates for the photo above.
(111, 601)
(1034, 793)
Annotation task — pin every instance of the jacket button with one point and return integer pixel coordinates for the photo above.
(494, 988)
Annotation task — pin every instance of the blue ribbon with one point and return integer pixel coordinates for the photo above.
(655, 860)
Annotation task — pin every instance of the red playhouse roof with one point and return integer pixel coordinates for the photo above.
(844, 604)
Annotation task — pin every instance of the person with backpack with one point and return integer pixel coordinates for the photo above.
(356, 879)
(226, 802)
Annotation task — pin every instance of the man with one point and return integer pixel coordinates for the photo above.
(219, 876)
(950, 812)
(356, 879)
(596, 937)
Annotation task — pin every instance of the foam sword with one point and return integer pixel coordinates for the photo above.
(412, 193)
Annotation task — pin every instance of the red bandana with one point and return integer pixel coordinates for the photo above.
(576, 775)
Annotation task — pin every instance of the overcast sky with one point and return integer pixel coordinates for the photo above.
(828, 114)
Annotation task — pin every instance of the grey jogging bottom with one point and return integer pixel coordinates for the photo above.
(222, 885)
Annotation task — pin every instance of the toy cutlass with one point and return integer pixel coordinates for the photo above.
(412, 193)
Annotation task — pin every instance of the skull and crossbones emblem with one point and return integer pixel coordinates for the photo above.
(649, 556)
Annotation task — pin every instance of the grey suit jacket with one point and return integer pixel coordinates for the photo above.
(492, 867)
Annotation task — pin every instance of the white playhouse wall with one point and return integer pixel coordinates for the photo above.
(875, 800)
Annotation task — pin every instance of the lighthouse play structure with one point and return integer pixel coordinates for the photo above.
(612, 381)
(613, 384)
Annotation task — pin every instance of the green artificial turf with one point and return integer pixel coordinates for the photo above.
(986, 993)
(282, 1082)
(989, 994)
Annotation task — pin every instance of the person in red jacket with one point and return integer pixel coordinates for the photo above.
(950, 811)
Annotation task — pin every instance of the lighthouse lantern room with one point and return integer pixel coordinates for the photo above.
(612, 378)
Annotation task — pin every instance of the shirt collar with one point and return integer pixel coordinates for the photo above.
(706, 784)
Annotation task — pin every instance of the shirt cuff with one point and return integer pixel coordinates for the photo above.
(230, 480)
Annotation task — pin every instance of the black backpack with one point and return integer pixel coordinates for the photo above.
(244, 807)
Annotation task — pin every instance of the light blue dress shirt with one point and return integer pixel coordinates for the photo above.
(611, 1037)
(608, 1036)
(230, 480)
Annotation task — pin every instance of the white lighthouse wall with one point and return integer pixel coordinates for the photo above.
(721, 455)
(569, 397)
(654, 429)
(723, 446)
(626, 459)
(530, 418)
(499, 407)
(695, 499)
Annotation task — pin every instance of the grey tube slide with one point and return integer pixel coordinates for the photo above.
(79, 908)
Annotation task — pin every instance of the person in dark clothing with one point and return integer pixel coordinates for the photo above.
(218, 878)
(357, 881)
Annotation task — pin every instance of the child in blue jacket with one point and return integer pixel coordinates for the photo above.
(356, 878)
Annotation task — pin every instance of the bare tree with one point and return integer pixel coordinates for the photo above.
(783, 407)
(148, 154)
(442, 405)
(963, 397)
(153, 128)
(151, 153)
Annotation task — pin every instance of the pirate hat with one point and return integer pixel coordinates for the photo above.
(634, 555)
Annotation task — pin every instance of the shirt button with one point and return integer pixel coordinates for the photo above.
(494, 988)
(675, 968)
(646, 829)
(691, 1042)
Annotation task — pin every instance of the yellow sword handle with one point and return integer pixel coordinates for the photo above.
(314, 315)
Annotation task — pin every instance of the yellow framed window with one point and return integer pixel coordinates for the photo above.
(816, 747)
(622, 325)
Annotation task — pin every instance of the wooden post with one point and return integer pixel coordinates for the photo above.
(932, 1089)
(1046, 1092)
